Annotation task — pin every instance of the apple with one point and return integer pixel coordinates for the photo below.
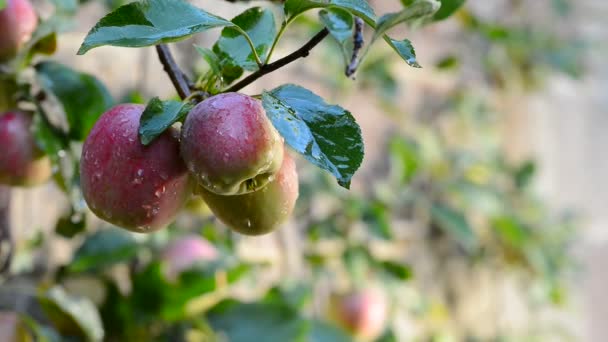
(230, 146)
(18, 20)
(136, 187)
(21, 162)
(183, 253)
(362, 312)
(261, 211)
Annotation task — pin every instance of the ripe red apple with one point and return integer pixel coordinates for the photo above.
(140, 188)
(363, 313)
(21, 162)
(18, 20)
(229, 144)
(261, 211)
(186, 251)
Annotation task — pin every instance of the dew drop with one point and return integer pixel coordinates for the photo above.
(160, 191)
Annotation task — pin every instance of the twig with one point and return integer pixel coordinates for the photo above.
(302, 52)
(178, 78)
(6, 243)
(351, 68)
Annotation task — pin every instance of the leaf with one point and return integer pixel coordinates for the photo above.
(326, 135)
(46, 139)
(72, 316)
(419, 9)
(104, 248)
(405, 49)
(260, 26)
(274, 322)
(377, 216)
(150, 22)
(401, 272)
(83, 97)
(511, 231)
(454, 224)
(211, 58)
(340, 24)
(448, 7)
(70, 225)
(359, 8)
(160, 115)
(324, 332)
(3, 4)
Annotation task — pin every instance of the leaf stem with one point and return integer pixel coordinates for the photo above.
(258, 61)
(276, 40)
(302, 52)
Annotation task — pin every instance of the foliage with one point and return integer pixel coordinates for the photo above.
(463, 210)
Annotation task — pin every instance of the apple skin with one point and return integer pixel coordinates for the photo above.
(18, 20)
(21, 162)
(136, 187)
(262, 211)
(183, 253)
(230, 146)
(363, 313)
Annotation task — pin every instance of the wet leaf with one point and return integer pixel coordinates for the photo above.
(150, 22)
(159, 116)
(326, 135)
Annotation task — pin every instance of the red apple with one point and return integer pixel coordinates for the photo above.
(363, 313)
(21, 162)
(230, 146)
(140, 188)
(261, 211)
(18, 20)
(186, 251)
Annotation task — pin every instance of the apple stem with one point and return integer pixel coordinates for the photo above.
(6, 243)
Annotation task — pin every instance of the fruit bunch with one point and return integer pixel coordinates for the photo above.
(21, 162)
(227, 152)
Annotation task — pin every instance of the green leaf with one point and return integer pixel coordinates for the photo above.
(360, 8)
(324, 332)
(160, 115)
(2, 4)
(211, 58)
(72, 316)
(340, 24)
(274, 322)
(104, 248)
(511, 231)
(46, 139)
(405, 156)
(378, 217)
(70, 225)
(455, 224)
(399, 271)
(326, 135)
(524, 174)
(260, 26)
(419, 9)
(448, 7)
(150, 22)
(404, 49)
(82, 96)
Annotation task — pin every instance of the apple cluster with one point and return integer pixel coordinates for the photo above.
(227, 152)
(21, 162)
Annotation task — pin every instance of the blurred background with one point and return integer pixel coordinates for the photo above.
(478, 211)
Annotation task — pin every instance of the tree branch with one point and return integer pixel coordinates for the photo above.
(302, 52)
(351, 68)
(178, 78)
(6, 243)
